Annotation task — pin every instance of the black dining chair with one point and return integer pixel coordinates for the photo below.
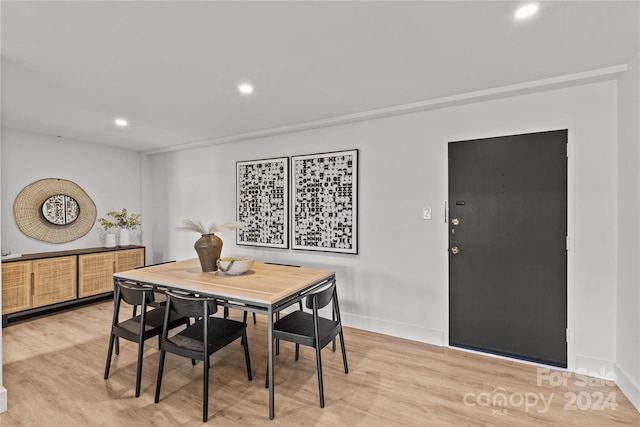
(138, 328)
(313, 330)
(201, 339)
(159, 299)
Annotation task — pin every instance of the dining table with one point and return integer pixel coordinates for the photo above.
(264, 288)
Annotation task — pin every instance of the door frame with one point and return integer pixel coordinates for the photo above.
(571, 356)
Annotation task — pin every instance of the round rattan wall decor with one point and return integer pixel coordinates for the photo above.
(28, 211)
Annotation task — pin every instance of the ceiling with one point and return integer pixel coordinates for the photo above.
(172, 67)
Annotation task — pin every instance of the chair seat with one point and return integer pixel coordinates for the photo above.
(130, 328)
(297, 327)
(189, 342)
(201, 339)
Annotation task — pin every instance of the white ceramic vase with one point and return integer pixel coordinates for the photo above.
(109, 240)
(124, 237)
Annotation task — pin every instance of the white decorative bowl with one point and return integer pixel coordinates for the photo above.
(234, 266)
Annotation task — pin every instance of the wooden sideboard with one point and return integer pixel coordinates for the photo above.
(37, 283)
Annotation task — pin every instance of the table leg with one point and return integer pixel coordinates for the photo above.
(270, 375)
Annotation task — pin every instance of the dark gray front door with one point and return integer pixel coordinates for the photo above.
(507, 246)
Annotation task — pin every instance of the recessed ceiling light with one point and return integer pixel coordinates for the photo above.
(121, 123)
(526, 11)
(245, 88)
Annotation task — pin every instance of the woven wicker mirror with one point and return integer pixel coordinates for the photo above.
(54, 210)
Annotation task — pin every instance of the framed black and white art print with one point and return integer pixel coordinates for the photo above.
(263, 202)
(325, 202)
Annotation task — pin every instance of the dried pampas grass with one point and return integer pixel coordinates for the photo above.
(199, 226)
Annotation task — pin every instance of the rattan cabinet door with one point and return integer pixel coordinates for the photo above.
(54, 280)
(129, 259)
(95, 274)
(16, 286)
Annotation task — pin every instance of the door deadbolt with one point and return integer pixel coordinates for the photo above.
(455, 221)
(455, 250)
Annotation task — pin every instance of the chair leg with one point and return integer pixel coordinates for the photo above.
(139, 368)
(109, 353)
(246, 355)
(297, 351)
(159, 380)
(205, 391)
(344, 354)
(244, 318)
(319, 368)
(117, 346)
(254, 318)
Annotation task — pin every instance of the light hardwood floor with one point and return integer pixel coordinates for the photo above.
(53, 371)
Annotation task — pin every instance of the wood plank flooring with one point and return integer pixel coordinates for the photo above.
(53, 371)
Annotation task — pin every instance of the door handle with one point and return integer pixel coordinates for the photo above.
(455, 250)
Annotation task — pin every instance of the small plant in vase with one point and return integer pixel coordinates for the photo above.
(124, 222)
(109, 237)
(208, 246)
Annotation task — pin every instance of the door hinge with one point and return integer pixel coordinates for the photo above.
(567, 334)
(567, 242)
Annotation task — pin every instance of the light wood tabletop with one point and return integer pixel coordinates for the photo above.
(263, 284)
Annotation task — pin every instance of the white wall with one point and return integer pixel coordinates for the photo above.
(628, 297)
(398, 282)
(110, 176)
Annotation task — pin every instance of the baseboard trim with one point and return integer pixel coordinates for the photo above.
(603, 369)
(396, 329)
(629, 387)
(3, 399)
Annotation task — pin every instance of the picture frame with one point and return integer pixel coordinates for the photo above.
(325, 202)
(262, 202)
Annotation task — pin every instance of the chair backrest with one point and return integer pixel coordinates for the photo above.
(322, 296)
(133, 294)
(190, 305)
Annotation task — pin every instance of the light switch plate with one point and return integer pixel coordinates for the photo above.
(426, 213)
